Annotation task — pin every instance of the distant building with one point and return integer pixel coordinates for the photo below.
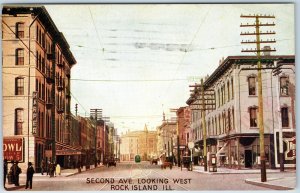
(232, 127)
(166, 138)
(141, 143)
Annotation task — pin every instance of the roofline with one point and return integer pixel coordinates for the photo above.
(44, 17)
(227, 63)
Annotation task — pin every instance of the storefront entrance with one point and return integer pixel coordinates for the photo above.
(248, 159)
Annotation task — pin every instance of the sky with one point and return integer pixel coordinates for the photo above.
(137, 61)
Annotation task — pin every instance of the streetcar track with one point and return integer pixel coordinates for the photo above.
(171, 180)
(119, 169)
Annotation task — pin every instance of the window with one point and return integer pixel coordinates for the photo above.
(216, 124)
(19, 88)
(219, 102)
(220, 127)
(252, 85)
(253, 116)
(20, 30)
(284, 86)
(229, 120)
(19, 56)
(285, 117)
(233, 125)
(222, 95)
(228, 91)
(232, 90)
(19, 121)
(37, 33)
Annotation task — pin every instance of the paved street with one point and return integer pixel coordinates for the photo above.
(144, 176)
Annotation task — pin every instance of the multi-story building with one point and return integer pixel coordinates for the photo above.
(232, 127)
(36, 67)
(117, 144)
(184, 125)
(141, 143)
(166, 138)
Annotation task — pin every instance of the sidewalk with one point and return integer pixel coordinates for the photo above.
(286, 183)
(222, 170)
(276, 182)
(64, 173)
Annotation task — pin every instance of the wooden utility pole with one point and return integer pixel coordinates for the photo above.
(95, 113)
(204, 126)
(207, 102)
(258, 50)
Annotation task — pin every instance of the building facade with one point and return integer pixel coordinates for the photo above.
(36, 69)
(232, 126)
(141, 143)
(167, 139)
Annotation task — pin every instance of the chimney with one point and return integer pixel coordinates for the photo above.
(266, 50)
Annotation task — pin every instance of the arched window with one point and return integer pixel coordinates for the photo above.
(284, 86)
(253, 116)
(252, 85)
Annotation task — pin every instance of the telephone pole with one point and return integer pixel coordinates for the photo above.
(258, 51)
(204, 101)
(177, 135)
(95, 114)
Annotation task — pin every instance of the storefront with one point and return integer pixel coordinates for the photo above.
(244, 151)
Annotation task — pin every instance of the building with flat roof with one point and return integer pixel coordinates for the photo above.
(232, 131)
(36, 71)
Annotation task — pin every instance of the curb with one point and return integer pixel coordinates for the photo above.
(15, 188)
(81, 172)
(266, 185)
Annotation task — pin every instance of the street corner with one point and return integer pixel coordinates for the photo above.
(274, 183)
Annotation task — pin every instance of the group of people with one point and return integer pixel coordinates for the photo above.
(51, 168)
(15, 171)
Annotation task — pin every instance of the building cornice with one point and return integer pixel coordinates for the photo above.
(230, 60)
(45, 19)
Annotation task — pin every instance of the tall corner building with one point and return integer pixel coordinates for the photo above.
(36, 71)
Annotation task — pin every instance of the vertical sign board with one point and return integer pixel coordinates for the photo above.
(289, 147)
(34, 112)
(13, 149)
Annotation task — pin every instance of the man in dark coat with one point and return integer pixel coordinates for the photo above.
(43, 166)
(5, 168)
(29, 175)
(16, 170)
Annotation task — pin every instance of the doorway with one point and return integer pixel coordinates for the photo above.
(248, 158)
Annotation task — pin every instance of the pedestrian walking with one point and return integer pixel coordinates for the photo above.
(48, 167)
(51, 169)
(57, 169)
(29, 175)
(11, 172)
(16, 170)
(43, 165)
(5, 168)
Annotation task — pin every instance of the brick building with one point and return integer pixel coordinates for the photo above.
(36, 67)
